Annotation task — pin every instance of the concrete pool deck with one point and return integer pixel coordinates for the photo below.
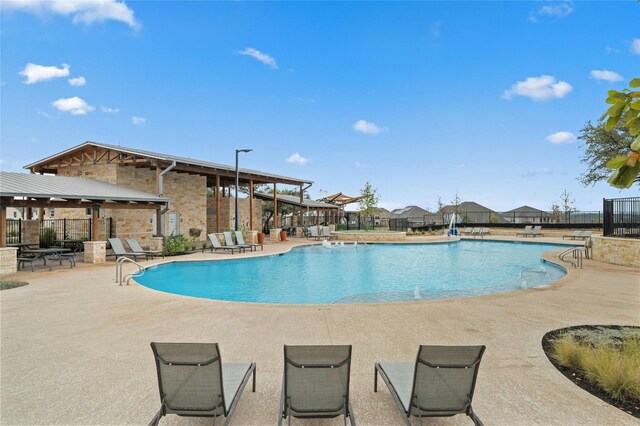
(75, 345)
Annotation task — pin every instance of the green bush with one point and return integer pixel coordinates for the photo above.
(9, 284)
(177, 244)
(48, 237)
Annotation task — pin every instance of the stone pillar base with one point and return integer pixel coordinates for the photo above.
(274, 234)
(8, 260)
(156, 243)
(95, 251)
(250, 237)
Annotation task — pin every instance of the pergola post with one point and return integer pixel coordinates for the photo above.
(251, 205)
(275, 206)
(95, 215)
(158, 223)
(3, 225)
(217, 203)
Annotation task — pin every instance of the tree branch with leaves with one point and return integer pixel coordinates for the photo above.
(625, 110)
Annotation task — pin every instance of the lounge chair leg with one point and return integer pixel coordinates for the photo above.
(472, 415)
(156, 418)
(375, 378)
(254, 379)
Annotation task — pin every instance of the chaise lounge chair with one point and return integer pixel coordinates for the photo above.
(240, 240)
(193, 381)
(573, 235)
(136, 247)
(313, 233)
(228, 240)
(537, 232)
(119, 250)
(316, 383)
(439, 384)
(215, 245)
(326, 233)
(526, 232)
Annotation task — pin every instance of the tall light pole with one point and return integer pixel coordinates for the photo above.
(238, 151)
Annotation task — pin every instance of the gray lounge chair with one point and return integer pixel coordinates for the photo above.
(573, 235)
(526, 232)
(215, 245)
(313, 233)
(240, 240)
(326, 233)
(119, 250)
(136, 247)
(193, 381)
(439, 384)
(228, 240)
(316, 383)
(537, 232)
(585, 235)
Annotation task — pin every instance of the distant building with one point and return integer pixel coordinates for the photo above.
(415, 216)
(527, 214)
(471, 212)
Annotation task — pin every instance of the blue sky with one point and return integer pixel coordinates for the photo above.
(482, 99)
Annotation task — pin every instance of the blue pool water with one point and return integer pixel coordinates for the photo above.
(374, 273)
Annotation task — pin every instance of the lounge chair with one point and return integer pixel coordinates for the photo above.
(585, 235)
(526, 232)
(240, 240)
(467, 231)
(228, 241)
(215, 245)
(313, 233)
(119, 250)
(316, 383)
(573, 235)
(326, 233)
(537, 232)
(193, 381)
(439, 384)
(136, 247)
(476, 231)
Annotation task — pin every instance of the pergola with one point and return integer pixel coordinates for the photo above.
(46, 191)
(219, 176)
(302, 203)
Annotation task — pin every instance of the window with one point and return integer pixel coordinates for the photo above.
(88, 211)
(52, 213)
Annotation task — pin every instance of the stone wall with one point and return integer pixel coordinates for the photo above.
(227, 213)
(31, 232)
(619, 251)
(8, 260)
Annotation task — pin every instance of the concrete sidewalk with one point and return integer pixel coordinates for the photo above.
(75, 346)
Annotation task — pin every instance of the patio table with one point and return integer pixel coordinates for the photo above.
(52, 253)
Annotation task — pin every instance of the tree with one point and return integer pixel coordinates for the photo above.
(567, 202)
(369, 200)
(601, 146)
(625, 110)
(456, 201)
(555, 213)
(441, 208)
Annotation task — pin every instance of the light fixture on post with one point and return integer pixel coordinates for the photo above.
(238, 151)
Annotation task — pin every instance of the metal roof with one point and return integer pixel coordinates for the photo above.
(164, 157)
(295, 201)
(69, 188)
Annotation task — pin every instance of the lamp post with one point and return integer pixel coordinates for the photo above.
(238, 151)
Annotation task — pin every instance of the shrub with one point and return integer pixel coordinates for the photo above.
(47, 237)
(612, 364)
(9, 284)
(177, 244)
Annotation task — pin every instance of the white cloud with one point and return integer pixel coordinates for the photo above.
(262, 57)
(138, 120)
(77, 81)
(108, 110)
(558, 10)
(635, 46)
(561, 137)
(539, 88)
(36, 73)
(85, 12)
(297, 159)
(360, 165)
(606, 75)
(366, 127)
(74, 106)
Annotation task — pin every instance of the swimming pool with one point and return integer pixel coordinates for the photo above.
(374, 273)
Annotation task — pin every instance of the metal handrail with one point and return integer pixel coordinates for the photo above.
(362, 240)
(120, 278)
(577, 253)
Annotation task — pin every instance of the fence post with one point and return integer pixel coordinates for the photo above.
(358, 221)
(64, 228)
(20, 230)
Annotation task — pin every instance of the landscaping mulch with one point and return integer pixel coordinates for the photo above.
(630, 406)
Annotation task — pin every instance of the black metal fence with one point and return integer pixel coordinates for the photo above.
(14, 231)
(52, 230)
(621, 217)
(555, 219)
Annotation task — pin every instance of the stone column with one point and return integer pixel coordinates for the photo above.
(156, 243)
(250, 237)
(274, 234)
(31, 232)
(95, 251)
(8, 260)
